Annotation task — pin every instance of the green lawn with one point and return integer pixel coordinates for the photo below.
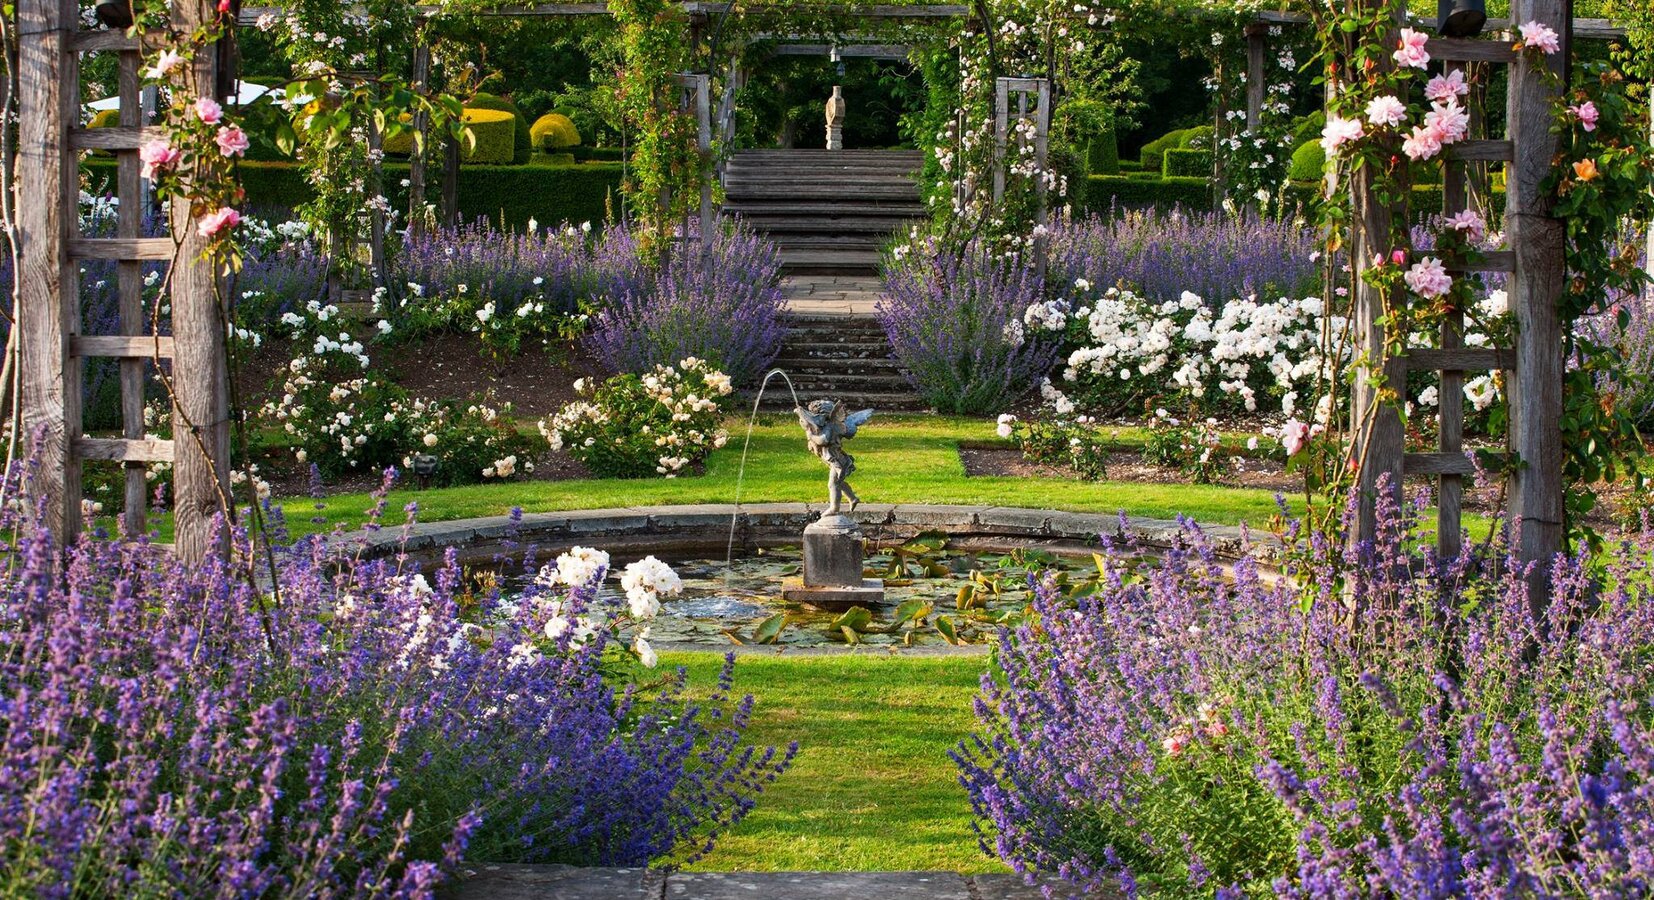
(872, 787)
(911, 459)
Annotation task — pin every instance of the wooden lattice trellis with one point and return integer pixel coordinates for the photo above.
(1535, 273)
(53, 348)
(1018, 100)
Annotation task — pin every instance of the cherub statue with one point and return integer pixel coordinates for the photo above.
(827, 425)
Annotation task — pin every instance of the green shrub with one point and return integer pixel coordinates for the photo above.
(1102, 155)
(1197, 138)
(1187, 163)
(1103, 192)
(552, 159)
(522, 139)
(554, 131)
(1308, 162)
(639, 426)
(1308, 128)
(1153, 153)
(105, 118)
(509, 195)
(494, 134)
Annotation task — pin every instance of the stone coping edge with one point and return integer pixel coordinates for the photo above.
(767, 522)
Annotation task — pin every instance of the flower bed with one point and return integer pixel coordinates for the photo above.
(175, 729)
(1197, 729)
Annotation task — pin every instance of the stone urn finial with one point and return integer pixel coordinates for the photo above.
(835, 119)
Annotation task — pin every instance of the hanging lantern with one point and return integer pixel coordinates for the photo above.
(115, 14)
(1460, 18)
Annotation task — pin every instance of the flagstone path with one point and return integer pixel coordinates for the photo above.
(522, 882)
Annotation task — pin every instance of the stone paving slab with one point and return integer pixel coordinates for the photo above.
(824, 295)
(556, 882)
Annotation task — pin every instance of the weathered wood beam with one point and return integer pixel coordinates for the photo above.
(251, 14)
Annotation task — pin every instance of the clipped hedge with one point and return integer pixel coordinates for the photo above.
(1104, 192)
(549, 194)
(522, 146)
(495, 135)
(1153, 153)
(1102, 155)
(1187, 164)
(1309, 162)
(554, 131)
(1426, 200)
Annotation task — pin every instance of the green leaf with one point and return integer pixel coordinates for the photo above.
(769, 629)
(949, 632)
(914, 610)
(850, 635)
(857, 618)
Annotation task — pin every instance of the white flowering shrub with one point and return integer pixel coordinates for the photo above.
(638, 426)
(1075, 443)
(565, 589)
(337, 413)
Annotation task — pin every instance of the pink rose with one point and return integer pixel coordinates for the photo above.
(1539, 36)
(1423, 143)
(1398, 256)
(1175, 743)
(208, 111)
(1471, 223)
(157, 156)
(1412, 52)
(1294, 437)
(232, 141)
(1428, 278)
(167, 63)
(1450, 119)
(213, 223)
(1443, 88)
(1339, 131)
(1587, 114)
(1386, 110)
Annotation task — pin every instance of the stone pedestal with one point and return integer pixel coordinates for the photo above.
(832, 568)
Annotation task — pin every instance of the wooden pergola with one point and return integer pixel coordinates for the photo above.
(192, 361)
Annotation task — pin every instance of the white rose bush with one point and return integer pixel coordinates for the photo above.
(661, 423)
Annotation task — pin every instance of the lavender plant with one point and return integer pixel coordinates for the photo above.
(721, 303)
(1370, 724)
(184, 731)
(1161, 255)
(955, 319)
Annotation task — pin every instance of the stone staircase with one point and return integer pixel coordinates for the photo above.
(840, 358)
(830, 211)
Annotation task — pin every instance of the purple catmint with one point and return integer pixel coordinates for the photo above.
(343, 729)
(1369, 722)
(954, 318)
(721, 303)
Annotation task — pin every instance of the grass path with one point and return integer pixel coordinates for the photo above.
(911, 459)
(872, 787)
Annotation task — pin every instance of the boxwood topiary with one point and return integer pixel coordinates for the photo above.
(1188, 164)
(554, 131)
(1153, 153)
(1103, 154)
(523, 146)
(1308, 162)
(495, 137)
(1196, 138)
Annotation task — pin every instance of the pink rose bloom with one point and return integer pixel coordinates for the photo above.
(167, 63)
(213, 223)
(1428, 278)
(1294, 437)
(1540, 36)
(1443, 88)
(1471, 223)
(1398, 256)
(1423, 143)
(232, 141)
(1339, 132)
(157, 156)
(1412, 52)
(1386, 110)
(1587, 114)
(1450, 119)
(208, 111)
(1175, 743)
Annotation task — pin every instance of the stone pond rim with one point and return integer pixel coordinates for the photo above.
(704, 529)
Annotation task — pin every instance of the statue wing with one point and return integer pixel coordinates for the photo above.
(858, 419)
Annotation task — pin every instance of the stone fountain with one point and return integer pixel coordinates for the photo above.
(832, 577)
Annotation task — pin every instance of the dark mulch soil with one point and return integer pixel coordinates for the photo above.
(447, 366)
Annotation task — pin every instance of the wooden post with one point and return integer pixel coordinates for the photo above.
(48, 194)
(130, 277)
(422, 128)
(450, 182)
(201, 417)
(1257, 46)
(1538, 240)
(376, 214)
(1450, 402)
(1380, 440)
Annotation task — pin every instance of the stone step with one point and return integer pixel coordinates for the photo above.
(791, 190)
(888, 402)
(847, 208)
(815, 365)
(830, 262)
(788, 242)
